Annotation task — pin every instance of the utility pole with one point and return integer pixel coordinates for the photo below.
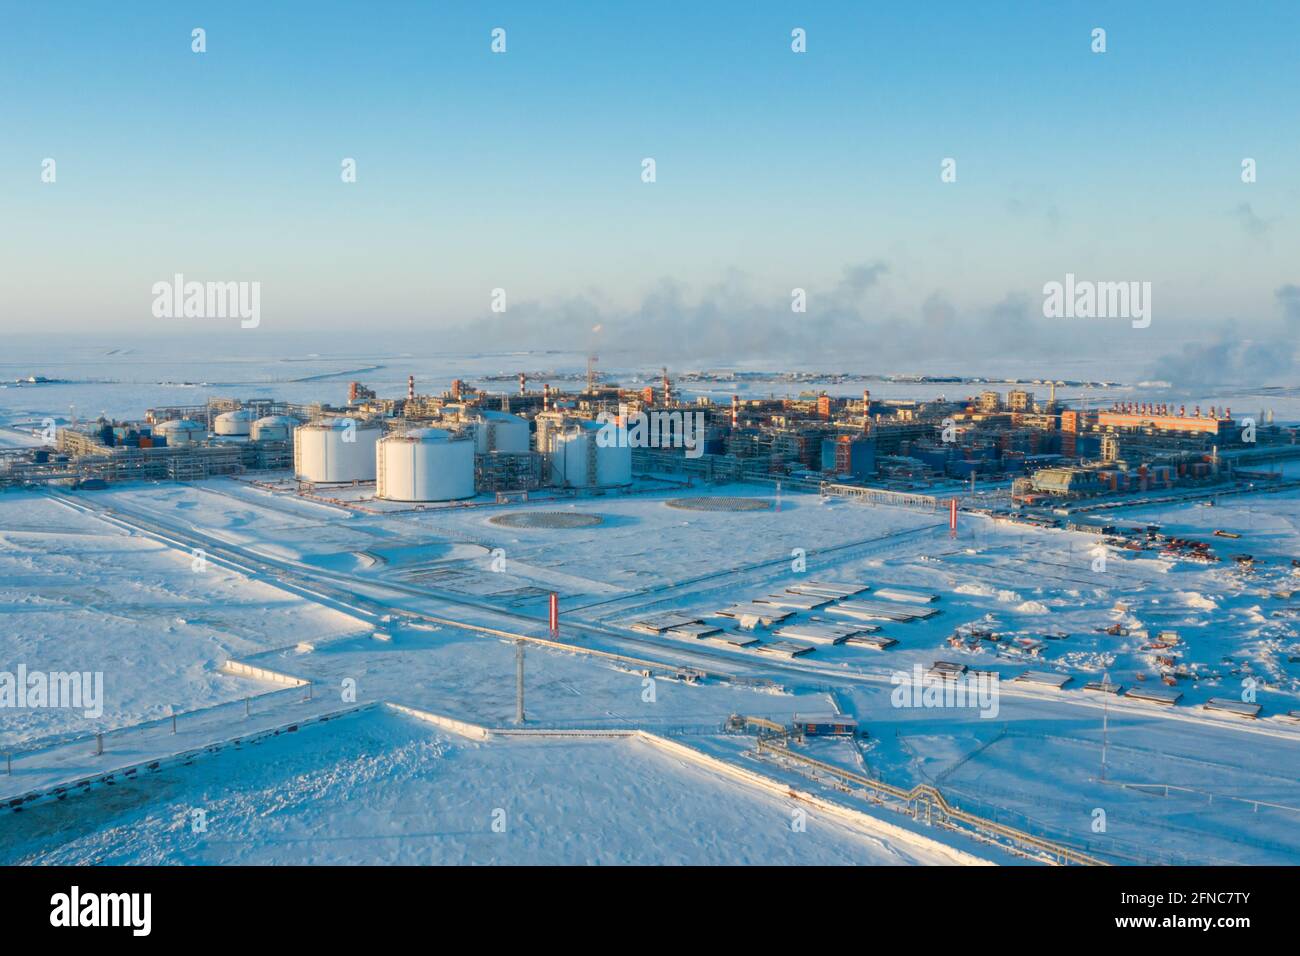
(519, 682)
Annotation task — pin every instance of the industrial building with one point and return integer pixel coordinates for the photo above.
(1162, 418)
(468, 440)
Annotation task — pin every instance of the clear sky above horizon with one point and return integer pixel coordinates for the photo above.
(522, 171)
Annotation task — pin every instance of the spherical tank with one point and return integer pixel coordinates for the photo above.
(425, 464)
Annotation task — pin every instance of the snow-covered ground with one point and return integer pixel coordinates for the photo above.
(106, 581)
(1234, 795)
(378, 788)
(78, 594)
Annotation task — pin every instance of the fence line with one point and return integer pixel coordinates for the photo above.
(169, 723)
(880, 496)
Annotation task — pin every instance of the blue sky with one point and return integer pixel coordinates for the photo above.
(521, 171)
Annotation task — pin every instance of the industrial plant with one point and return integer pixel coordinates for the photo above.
(1016, 451)
(611, 434)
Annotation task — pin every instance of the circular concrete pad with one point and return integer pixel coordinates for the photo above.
(547, 519)
(720, 504)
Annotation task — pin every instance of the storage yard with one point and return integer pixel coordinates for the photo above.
(350, 603)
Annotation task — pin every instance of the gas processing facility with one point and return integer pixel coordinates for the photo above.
(1032, 451)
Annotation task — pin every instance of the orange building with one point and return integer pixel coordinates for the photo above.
(1165, 418)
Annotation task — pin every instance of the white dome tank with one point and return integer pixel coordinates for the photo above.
(498, 431)
(274, 428)
(580, 460)
(181, 431)
(425, 464)
(335, 450)
(238, 422)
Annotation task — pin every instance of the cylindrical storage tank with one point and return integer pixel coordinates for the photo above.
(238, 422)
(335, 450)
(273, 428)
(425, 464)
(499, 431)
(181, 431)
(580, 458)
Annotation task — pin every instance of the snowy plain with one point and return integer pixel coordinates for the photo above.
(80, 589)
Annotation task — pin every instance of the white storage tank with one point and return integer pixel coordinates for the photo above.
(181, 431)
(237, 422)
(274, 428)
(336, 450)
(425, 464)
(498, 431)
(579, 459)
